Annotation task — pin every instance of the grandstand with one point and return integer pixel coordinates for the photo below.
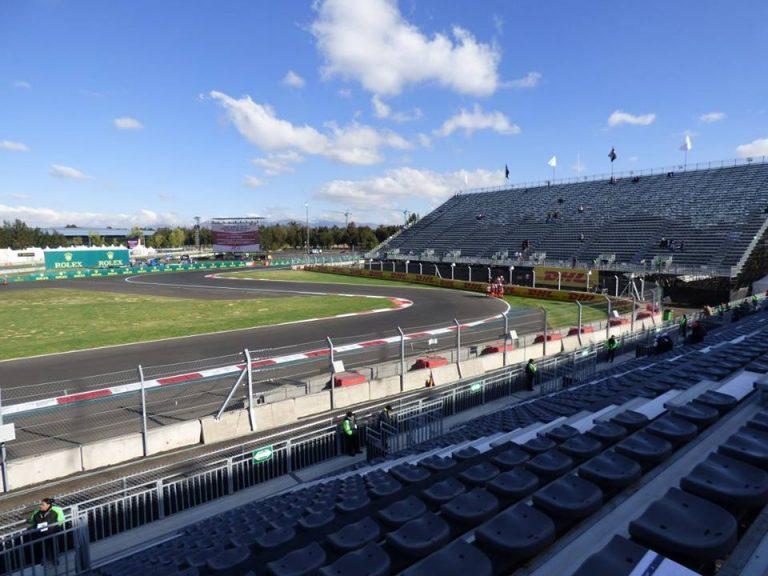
(702, 222)
(658, 461)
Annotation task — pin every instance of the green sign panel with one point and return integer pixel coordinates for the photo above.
(263, 454)
(63, 260)
(475, 387)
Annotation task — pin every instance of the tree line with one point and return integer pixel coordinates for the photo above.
(18, 235)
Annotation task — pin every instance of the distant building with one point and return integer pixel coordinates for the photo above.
(110, 235)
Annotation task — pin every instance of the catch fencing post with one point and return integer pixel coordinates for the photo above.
(143, 412)
(608, 322)
(251, 417)
(402, 359)
(642, 288)
(632, 314)
(559, 279)
(421, 269)
(580, 318)
(330, 346)
(393, 265)
(470, 272)
(489, 274)
(506, 337)
(533, 278)
(381, 265)
(6, 488)
(458, 343)
(616, 290)
(545, 331)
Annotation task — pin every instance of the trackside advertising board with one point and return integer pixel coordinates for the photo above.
(86, 258)
(569, 277)
(236, 235)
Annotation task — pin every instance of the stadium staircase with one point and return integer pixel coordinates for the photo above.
(660, 461)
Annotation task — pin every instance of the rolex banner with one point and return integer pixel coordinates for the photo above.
(72, 258)
(236, 235)
(569, 277)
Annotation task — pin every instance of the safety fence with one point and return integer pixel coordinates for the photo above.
(137, 503)
(47, 550)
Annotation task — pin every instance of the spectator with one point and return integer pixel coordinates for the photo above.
(349, 435)
(612, 345)
(684, 326)
(47, 517)
(530, 372)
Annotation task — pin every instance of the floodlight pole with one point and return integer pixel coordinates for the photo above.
(402, 359)
(143, 412)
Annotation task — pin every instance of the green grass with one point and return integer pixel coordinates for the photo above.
(47, 320)
(318, 277)
(559, 314)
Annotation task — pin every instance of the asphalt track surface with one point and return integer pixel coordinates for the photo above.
(46, 376)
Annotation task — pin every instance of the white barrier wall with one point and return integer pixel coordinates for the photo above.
(472, 368)
(445, 374)
(312, 404)
(570, 343)
(494, 361)
(232, 424)
(282, 413)
(416, 379)
(384, 387)
(35, 469)
(112, 451)
(174, 436)
(351, 395)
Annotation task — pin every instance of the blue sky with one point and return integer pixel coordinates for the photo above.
(150, 112)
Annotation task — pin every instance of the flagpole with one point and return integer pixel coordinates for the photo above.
(578, 164)
(685, 162)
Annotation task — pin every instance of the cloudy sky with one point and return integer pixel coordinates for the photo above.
(149, 112)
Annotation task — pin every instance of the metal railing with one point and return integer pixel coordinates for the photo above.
(52, 551)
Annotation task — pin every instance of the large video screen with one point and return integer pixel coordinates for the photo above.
(236, 235)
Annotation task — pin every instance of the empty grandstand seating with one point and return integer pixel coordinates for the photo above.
(509, 487)
(715, 213)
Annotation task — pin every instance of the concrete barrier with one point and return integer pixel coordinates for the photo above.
(235, 423)
(595, 337)
(472, 368)
(312, 404)
(445, 374)
(533, 351)
(416, 379)
(282, 413)
(173, 436)
(570, 343)
(620, 330)
(384, 387)
(351, 395)
(34, 469)
(553, 347)
(111, 451)
(494, 361)
(515, 356)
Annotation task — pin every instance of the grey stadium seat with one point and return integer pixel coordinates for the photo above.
(646, 449)
(402, 511)
(611, 470)
(456, 559)
(301, 562)
(513, 484)
(518, 533)
(749, 445)
(420, 537)
(569, 498)
(371, 561)
(471, 508)
(674, 430)
(355, 535)
(618, 558)
(549, 465)
(728, 482)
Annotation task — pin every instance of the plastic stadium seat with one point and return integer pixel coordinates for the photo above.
(353, 504)
(720, 402)
(409, 474)
(402, 511)
(748, 445)
(674, 430)
(561, 433)
(275, 538)
(513, 484)
(511, 457)
(607, 432)
(569, 498)
(728, 482)
(683, 525)
(441, 492)
(355, 535)
(699, 414)
(456, 559)
(471, 508)
(581, 447)
(479, 474)
(759, 421)
(518, 533)
(611, 471)
(549, 465)
(647, 449)
(630, 420)
(618, 558)
(466, 453)
(385, 488)
(228, 560)
(371, 561)
(300, 562)
(437, 464)
(538, 445)
(317, 519)
(420, 537)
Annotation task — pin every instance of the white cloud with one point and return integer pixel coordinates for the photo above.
(476, 119)
(369, 41)
(351, 144)
(345, 92)
(60, 171)
(618, 118)
(710, 117)
(755, 148)
(424, 140)
(13, 146)
(15, 196)
(254, 182)
(498, 24)
(382, 197)
(280, 163)
(49, 217)
(382, 110)
(530, 80)
(21, 84)
(127, 123)
(293, 80)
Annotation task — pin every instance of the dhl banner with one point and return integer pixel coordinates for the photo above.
(569, 277)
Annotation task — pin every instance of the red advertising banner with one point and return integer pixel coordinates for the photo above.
(236, 235)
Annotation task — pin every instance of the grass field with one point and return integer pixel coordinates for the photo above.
(59, 320)
(318, 277)
(559, 314)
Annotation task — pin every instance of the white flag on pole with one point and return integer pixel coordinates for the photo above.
(686, 145)
(553, 161)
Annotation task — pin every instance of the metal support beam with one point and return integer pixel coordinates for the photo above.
(559, 280)
(231, 392)
(533, 276)
(489, 274)
(616, 290)
(143, 412)
(642, 288)
(470, 272)
(251, 416)
(608, 321)
(581, 315)
(402, 359)
(421, 269)
(330, 356)
(632, 314)
(546, 331)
